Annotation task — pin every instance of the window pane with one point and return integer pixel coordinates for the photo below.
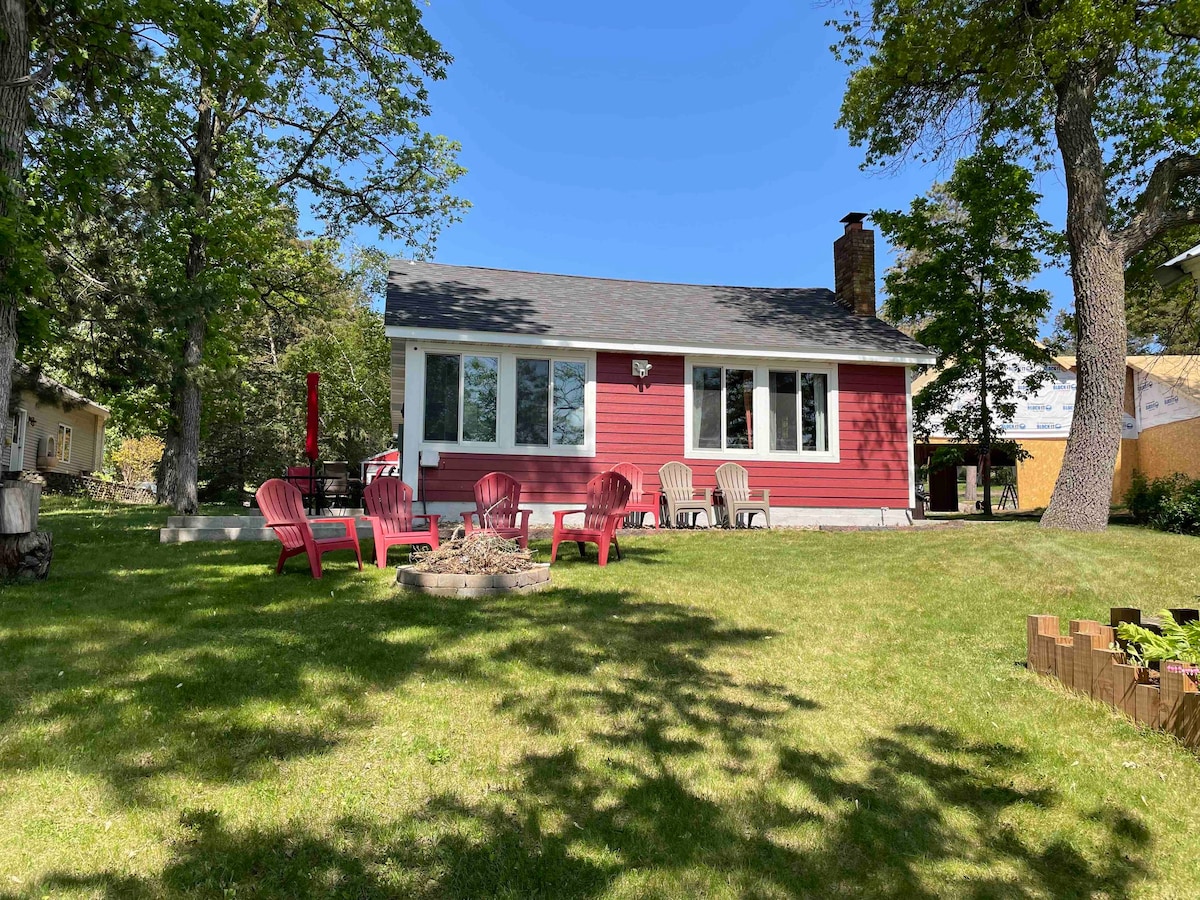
(570, 380)
(533, 401)
(813, 393)
(739, 415)
(441, 397)
(479, 398)
(706, 407)
(783, 411)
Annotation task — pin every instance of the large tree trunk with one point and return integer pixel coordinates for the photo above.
(168, 476)
(8, 356)
(186, 500)
(187, 458)
(1083, 491)
(14, 118)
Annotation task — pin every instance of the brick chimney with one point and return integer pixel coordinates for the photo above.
(854, 266)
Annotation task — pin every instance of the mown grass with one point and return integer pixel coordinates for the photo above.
(754, 715)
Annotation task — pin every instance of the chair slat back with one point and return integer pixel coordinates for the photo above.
(606, 494)
(390, 499)
(279, 501)
(676, 480)
(497, 497)
(337, 477)
(302, 478)
(734, 481)
(634, 476)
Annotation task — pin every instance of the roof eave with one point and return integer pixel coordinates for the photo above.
(862, 355)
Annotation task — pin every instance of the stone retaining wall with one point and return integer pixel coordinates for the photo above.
(441, 585)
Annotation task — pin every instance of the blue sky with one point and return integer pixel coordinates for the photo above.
(662, 140)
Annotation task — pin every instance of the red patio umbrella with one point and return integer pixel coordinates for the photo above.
(310, 437)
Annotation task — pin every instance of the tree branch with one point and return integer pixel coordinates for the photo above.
(297, 167)
(1156, 215)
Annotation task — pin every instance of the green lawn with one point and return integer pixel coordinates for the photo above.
(719, 715)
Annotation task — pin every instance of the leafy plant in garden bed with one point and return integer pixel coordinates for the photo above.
(1177, 643)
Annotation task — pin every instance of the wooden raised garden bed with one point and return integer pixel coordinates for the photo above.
(1085, 661)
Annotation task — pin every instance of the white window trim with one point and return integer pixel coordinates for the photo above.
(506, 411)
(762, 408)
(64, 430)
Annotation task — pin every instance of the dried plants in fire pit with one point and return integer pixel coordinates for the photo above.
(478, 553)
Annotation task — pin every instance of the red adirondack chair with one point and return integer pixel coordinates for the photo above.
(497, 498)
(282, 505)
(640, 500)
(607, 495)
(389, 509)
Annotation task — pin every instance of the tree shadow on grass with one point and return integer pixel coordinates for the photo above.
(656, 769)
(929, 816)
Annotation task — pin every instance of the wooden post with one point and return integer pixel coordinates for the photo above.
(1146, 705)
(970, 489)
(1083, 632)
(1104, 662)
(1124, 683)
(1063, 661)
(1119, 615)
(1175, 681)
(1036, 628)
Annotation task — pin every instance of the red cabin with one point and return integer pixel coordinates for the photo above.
(554, 379)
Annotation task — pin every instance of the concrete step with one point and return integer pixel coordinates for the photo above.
(251, 520)
(183, 535)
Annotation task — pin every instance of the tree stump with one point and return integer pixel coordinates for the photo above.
(19, 502)
(26, 557)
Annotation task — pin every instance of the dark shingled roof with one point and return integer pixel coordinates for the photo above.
(466, 298)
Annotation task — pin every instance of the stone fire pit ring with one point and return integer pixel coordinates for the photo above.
(442, 585)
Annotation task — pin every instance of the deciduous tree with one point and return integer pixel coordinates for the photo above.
(247, 105)
(1109, 87)
(967, 252)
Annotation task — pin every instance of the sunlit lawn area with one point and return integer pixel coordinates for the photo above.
(750, 715)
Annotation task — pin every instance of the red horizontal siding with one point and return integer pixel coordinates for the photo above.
(645, 427)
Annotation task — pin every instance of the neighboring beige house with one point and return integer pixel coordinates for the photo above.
(64, 435)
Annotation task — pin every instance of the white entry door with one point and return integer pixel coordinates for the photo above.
(16, 447)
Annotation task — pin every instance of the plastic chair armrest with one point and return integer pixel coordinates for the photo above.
(560, 513)
(349, 521)
(281, 522)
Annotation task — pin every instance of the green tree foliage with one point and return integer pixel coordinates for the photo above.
(1162, 320)
(243, 111)
(967, 252)
(52, 54)
(1110, 88)
(254, 418)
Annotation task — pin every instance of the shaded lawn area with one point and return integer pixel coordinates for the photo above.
(751, 715)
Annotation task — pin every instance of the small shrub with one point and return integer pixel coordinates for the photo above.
(137, 458)
(1168, 504)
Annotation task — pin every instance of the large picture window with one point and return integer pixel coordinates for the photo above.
(798, 402)
(722, 408)
(510, 401)
(460, 398)
(550, 402)
(761, 410)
